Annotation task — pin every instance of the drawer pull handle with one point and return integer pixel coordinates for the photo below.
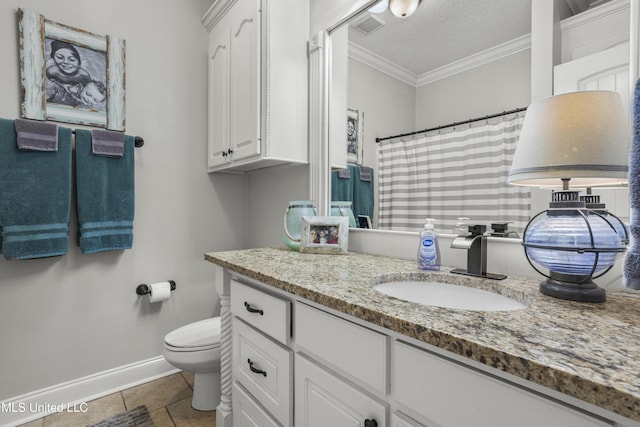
(370, 423)
(257, 371)
(253, 310)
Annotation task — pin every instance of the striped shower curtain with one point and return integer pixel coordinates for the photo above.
(458, 172)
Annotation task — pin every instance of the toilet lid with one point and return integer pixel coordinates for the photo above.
(198, 334)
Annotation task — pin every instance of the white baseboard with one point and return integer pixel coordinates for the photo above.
(73, 395)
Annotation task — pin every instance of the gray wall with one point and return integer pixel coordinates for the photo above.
(67, 317)
(497, 86)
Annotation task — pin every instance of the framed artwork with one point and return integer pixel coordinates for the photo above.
(70, 75)
(355, 133)
(324, 234)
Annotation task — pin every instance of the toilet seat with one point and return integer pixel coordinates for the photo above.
(197, 336)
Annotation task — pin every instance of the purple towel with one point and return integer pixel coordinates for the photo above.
(34, 135)
(344, 173)
(365, 173)
(107, 143)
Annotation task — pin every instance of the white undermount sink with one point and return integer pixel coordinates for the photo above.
(448, 295)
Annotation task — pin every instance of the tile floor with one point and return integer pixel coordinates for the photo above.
(168, 400)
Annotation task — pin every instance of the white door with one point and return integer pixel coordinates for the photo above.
(605, 70)
(244, 131)
(322, 400)
(218, 132)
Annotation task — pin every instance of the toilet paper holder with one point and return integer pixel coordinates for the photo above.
(143, 289)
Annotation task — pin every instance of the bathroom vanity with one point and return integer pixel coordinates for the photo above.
(308, 341)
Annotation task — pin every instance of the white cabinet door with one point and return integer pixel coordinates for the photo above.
(218, 132)
(324, 400)
(453, 395)
(244, 100)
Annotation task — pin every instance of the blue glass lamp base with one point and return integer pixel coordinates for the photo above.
(581, 292)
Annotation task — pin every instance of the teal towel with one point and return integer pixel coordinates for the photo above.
(105, 196)
(363, 198)
(35, 196)
(341, 185)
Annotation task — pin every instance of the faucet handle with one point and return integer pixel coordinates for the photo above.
(477, 229)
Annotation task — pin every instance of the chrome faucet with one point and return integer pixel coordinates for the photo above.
(475, 242)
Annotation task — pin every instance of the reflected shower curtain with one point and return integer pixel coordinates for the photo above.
(458, 172)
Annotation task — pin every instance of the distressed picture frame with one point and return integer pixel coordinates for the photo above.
(324, 235)
(355, 134)
(70, 75)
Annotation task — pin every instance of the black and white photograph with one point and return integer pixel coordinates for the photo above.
(75, 75)
(355, 125)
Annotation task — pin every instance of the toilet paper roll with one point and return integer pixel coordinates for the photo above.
(160, 291)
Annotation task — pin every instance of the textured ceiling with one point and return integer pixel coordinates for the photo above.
(443, 31)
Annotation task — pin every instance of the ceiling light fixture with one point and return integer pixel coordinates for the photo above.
(403, 8)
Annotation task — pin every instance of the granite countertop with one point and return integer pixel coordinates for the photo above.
(588, 351)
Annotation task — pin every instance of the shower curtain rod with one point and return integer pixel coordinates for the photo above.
(491, 116)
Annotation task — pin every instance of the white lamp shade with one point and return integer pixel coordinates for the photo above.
(403, 8)
(583, 136)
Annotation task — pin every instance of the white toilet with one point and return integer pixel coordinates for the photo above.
(196, 348)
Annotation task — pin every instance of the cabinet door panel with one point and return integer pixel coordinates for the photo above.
(439, 389)
(349, 348)
(218, 132)
(324, 400)
(244, 127)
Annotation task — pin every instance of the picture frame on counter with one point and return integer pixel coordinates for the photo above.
(324, 235)
(70, 75)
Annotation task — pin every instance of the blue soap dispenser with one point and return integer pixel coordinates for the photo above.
(429, 250)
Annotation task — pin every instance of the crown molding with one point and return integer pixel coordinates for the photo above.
(377, 62)
(215, 13)
(381, 64)
(589, 16)
(477, 59)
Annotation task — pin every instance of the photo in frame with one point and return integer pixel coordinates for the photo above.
(324, 235)
(355, 134)
(70, 75)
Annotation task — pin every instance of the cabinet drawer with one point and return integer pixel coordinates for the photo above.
(246, 412)
(264, 368)
(261, 310)
(347, 347)
(453, 395)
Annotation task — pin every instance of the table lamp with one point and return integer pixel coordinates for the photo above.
(579, 139)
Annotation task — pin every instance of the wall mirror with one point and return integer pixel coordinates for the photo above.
(452, 61)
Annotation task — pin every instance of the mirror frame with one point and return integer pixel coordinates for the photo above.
(319, 85)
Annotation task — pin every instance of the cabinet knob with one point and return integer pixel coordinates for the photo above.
(229, 151)
(370, 423)
(256, 370)
(224, 154)
(253, 310)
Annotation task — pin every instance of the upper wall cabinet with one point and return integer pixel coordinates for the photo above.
(257, 113)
